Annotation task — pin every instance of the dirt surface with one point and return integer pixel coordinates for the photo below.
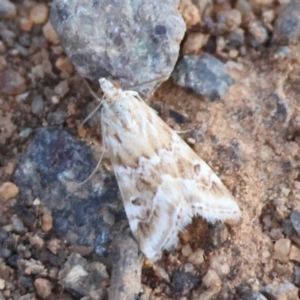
(250, 138)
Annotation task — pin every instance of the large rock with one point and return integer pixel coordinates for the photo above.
(131, 41)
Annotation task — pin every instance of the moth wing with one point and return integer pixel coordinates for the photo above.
(161, 201)
(156, 212)
(203, 189)
(163, 182)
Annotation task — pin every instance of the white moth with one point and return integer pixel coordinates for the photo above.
(163, 182)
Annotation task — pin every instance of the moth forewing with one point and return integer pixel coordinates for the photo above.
(163, 182)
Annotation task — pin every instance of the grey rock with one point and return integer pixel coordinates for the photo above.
(204, 75)
(287, 24)
(283, 51)
(295, 219)
(6, 242)
(236, 39)
(37, 105)
(244, 292)
(52, 169)
(18, 224)
(7, 9)
(297, 275)
(22, 50)
(287, 227)
(80, 278)
(258, 34)
(57, 117)
(252, 295)
(131, 41)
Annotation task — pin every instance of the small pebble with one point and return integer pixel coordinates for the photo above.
(295, 219)
(26, 24)
(25, 133)
(211, 279)
(2, 284)
(50, 34)
(39, 13)
(18, 224)
(186, 250)
(64, 65)
(38, 71)
(3, 63)
(12, 82)
(55, 99)
(43, 287)
(37, 105)
(36, 241)
(62, 88)
(194, 42)
(229, 20)
(53, 273)
(297, 275)
(7, 9)
(57, 117)
(294, 253)
(220, 265)
(47, 222)
(196, 257)
(189, 12)
(108, 217)
(8, 190)
(36, 202)
(297, 184)
(161, 273)
(282, 249)
(54, 245)
(258, 31)
(2, 47)
(188, 267)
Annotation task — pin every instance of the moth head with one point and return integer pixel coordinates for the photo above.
(108, 88)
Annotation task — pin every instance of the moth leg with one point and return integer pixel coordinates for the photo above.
(184, 131)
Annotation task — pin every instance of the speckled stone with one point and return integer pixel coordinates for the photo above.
(130, 41)
(52, 169)
(205, 75)
(295, 220)
(287, 24)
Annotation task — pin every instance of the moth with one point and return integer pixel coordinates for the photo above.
(162, 181)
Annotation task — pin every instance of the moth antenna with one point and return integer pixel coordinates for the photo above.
(96, 97)
(95, 169)
(91, 113)
(91, 91)
(145, 82)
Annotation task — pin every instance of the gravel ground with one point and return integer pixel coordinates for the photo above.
(250, 138)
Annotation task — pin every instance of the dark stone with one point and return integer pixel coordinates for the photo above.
(52, 169)
(178, 117)
(295, 219)
(217, 236)
(182, 283)
(25, 215)
(204, 75)
(287, 24)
